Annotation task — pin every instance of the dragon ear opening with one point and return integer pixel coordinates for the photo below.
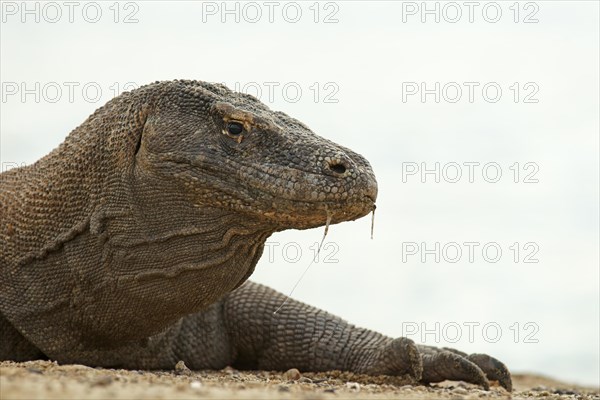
(138, 145)
(142, 118)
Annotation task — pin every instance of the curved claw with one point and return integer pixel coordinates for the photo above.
(493, 369)
(444, 365)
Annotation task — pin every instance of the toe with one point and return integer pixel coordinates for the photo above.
(445, 365)
(404, 358)
(398, 357)
(493, 369)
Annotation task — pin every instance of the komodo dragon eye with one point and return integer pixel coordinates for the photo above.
(235, 128)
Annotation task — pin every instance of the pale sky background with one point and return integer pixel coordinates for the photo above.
(364, 61)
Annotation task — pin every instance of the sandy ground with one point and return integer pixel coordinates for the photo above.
(48, 380)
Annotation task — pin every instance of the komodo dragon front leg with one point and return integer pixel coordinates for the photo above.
(310, 339)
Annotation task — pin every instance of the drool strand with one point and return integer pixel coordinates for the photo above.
(372, 221)
(316, 257)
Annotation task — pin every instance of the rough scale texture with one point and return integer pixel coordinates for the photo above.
(130, 244)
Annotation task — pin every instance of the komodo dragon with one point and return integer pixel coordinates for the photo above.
(130, 244)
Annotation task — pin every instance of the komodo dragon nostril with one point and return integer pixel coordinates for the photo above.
(337, 167)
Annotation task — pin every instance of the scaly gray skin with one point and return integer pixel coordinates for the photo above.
(129, 245)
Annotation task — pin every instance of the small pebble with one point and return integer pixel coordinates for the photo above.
(264, 374)
(102, 381)
(304, 379)
(353, 386)
(182, 369)
(292, 374)
(120, 377)
(565, 391)
(195, 385)
(283, 388)
(539, 388)
(460, 390)
(231, 371)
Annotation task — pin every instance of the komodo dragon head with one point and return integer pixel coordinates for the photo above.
(230, 151)
(158, 205)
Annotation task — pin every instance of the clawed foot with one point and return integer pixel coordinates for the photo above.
(430, 364)
(445, 363)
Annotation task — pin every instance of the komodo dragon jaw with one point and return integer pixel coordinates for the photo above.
(232, 152)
